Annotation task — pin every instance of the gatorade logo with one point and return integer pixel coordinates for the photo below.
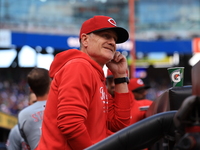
(176, 76)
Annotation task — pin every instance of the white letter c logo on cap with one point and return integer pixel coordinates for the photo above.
(112, 21)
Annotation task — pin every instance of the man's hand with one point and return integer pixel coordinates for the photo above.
(118, 65)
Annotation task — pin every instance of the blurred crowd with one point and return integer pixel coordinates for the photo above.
(14, 95)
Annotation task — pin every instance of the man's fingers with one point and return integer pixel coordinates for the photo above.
(118, 56)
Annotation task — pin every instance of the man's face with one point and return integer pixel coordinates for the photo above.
(101, 46)
(140, 94)
(32, 98)
(111, 85)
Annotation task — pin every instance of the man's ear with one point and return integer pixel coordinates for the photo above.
(84, 39)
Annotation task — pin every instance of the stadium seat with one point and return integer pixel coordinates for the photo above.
(171, 99)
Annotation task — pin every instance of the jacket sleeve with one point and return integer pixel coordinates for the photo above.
(14, 139)
(119, 113)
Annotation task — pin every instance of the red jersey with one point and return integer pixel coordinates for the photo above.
(77, 112)
(139, 108)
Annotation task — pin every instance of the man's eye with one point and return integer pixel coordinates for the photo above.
(106, 36)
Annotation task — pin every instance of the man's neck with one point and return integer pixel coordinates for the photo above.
(42, 98)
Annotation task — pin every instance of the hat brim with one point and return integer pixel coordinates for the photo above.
(142, 87)
(122, 34)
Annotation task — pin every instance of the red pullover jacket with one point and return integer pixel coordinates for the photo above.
(137, 113)
(77, 113)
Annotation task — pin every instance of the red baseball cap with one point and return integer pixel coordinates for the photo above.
(100, 23)
(136, 84)
(110, 74)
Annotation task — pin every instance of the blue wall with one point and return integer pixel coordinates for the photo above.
(61, 43)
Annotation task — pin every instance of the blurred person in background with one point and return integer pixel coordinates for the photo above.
(15, 140)
(139, 91)
(110, 83)
(138, 88)
(79, 111)
(30, 118)
(32, 98)
(139, 105)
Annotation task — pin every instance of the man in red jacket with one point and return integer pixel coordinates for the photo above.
(139, 91)
(79, 111)
(138, 88)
